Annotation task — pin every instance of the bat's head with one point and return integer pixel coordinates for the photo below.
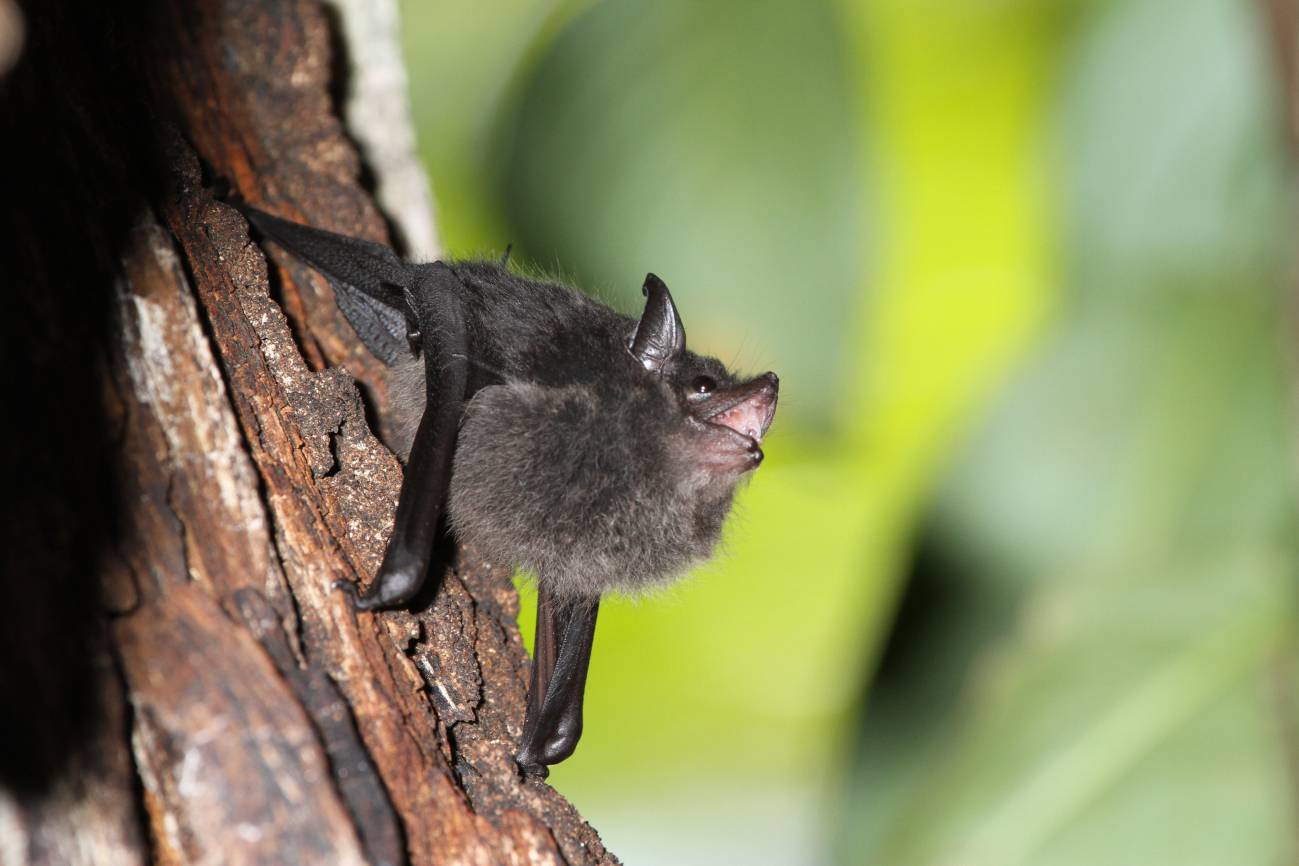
(726, 417)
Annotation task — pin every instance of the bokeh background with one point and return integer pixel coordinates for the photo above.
(1016, 582)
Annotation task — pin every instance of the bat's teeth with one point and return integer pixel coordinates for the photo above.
(744, 418)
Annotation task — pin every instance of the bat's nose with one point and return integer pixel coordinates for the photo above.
(772, 381)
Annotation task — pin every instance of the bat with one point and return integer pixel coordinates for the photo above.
(587, 448)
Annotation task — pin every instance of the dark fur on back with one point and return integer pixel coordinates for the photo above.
(574, 462)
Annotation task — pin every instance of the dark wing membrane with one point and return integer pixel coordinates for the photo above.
(369, 280)
(382, 328)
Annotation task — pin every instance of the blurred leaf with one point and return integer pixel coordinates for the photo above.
(1130, 499)
(1173, 165)
(1131, 640)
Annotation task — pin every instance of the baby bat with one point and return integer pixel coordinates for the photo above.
(585, 447)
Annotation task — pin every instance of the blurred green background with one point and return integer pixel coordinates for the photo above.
(1016, 582)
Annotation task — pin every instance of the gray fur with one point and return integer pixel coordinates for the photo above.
(590, 489)
(571, 484)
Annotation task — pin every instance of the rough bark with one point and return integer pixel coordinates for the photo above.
(194, 469)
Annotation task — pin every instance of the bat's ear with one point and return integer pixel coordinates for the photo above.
(659, 336)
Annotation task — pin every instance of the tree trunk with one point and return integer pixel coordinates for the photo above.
(191, 469)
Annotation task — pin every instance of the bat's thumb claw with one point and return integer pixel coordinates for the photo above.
(348, 589)
(534, 771)
(357, 600)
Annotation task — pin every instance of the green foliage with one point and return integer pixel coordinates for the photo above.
(1123, 518)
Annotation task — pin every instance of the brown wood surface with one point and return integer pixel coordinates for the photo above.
(194, 467)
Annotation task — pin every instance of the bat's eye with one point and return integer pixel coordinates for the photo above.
(703, 385)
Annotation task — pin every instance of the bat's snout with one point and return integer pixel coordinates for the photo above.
(741, 422)
(753, 407)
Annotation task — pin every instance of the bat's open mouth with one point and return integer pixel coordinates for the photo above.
(746, 410)
(750, 417)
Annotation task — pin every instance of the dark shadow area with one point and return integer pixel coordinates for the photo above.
(914, 685)
(931, 600)
(943, 621)
(81, 166)
(948, 615)
(909, 700)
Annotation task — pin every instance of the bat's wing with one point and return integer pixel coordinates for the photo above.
(369, 280)
(434, 298)
(561, 656)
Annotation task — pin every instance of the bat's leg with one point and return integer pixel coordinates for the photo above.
(428, 470)
(565, 631)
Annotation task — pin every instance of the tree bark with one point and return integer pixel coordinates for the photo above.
(192, 469)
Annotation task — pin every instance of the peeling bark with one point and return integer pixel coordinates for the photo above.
(180, 682)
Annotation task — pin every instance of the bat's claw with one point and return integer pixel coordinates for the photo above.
(534, 771)
(355, 600)
(364, 601)
(536, 761)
